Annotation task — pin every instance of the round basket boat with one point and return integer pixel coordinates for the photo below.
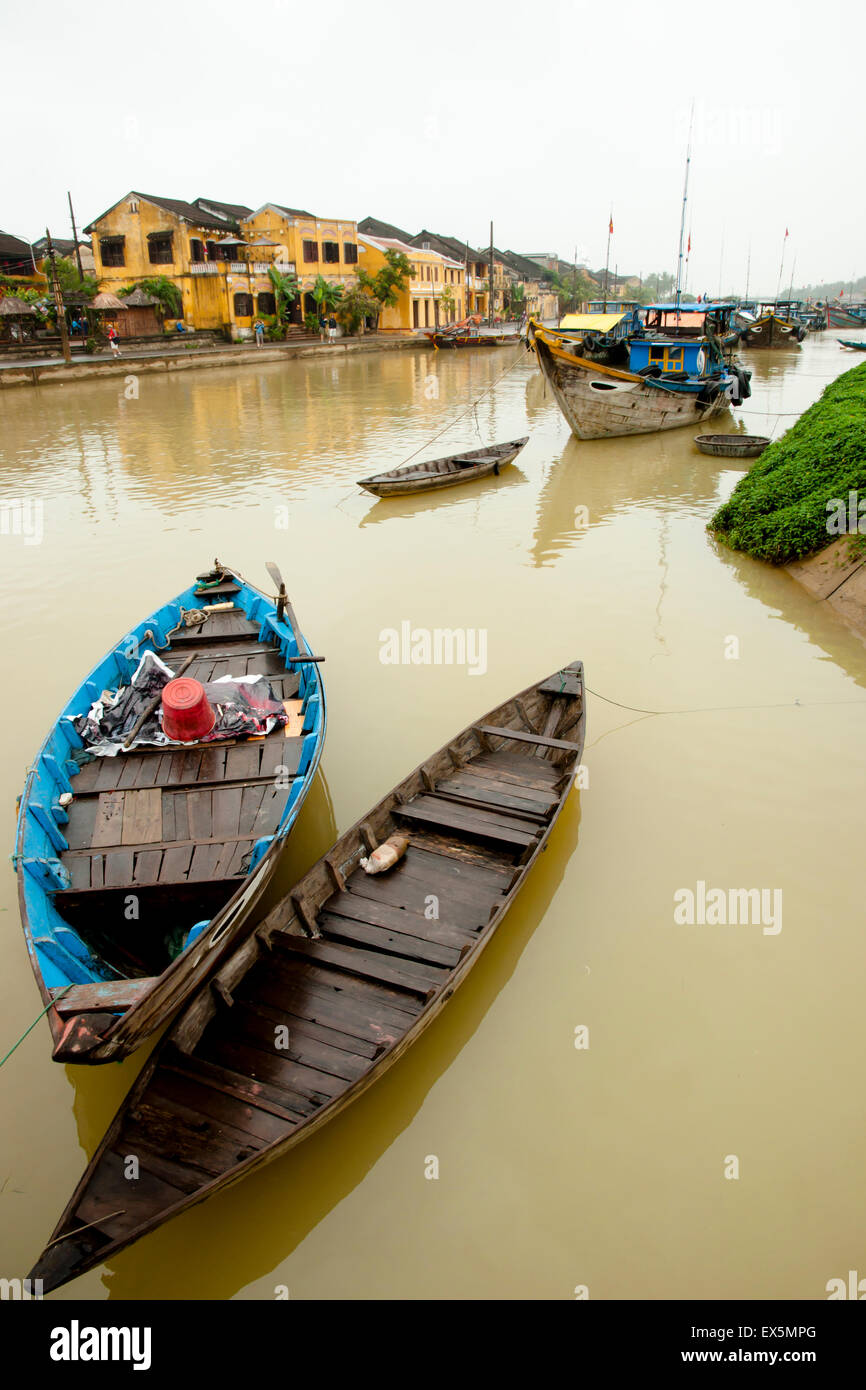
(732, 446)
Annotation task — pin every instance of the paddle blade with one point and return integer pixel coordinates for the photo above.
(275, 575)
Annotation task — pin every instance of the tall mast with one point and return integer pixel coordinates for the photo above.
(782, 263)
(683, 218)
(607, 259)
(748, 269)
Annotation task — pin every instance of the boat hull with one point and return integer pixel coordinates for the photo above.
(352, 968)
(462, 340)
(440, 473)
(838, 318)
(601, 403)
(772, 332)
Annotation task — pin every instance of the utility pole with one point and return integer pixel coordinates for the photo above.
(574, 282)
(490, 297)
(58, 300)
(75, 239)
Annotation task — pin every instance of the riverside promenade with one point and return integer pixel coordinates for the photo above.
(45, 371)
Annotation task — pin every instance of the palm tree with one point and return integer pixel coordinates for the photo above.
(286, 291)
(326, 295)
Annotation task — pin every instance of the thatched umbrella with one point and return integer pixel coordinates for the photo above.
(137, 300)
(11, 307)
(107, 301)
(13, 312)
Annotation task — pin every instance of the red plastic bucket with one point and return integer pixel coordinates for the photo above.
(186, 714)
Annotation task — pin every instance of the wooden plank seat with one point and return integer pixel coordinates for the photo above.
(539, 740)
(478, 824)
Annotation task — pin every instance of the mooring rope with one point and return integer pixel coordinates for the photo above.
(718, 709)
(34, 1023)
(468, 411)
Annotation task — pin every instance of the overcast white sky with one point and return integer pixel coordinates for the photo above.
(541, 116)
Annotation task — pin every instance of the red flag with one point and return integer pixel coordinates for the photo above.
(786, 231)
(689, 247)
(610, 228)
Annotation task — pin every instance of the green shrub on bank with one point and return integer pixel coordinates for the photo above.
(778, 511)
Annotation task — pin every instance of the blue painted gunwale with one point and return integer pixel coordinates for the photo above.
(58, 955)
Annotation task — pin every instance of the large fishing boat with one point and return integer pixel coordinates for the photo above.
(837, 317)
(775, 325)
(613, 379)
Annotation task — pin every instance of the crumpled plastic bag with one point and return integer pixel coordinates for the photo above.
(244, 706)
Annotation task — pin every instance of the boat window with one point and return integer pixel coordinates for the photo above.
(602, 386)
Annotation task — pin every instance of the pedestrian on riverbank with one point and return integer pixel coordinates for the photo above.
(332, 329)
(323, 327)
(259, 329)
(112, 339)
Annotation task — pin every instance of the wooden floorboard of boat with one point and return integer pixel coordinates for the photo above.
(460, 905)
(370, 912)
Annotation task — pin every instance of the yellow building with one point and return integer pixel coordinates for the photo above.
(223, 282)
(307, 246)
(435, 295)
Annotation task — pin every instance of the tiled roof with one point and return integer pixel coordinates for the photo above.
(371, 226)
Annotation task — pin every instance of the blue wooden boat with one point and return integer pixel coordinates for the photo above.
(851, 343)
(139, 867)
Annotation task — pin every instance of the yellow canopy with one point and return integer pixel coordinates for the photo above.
(591, 323)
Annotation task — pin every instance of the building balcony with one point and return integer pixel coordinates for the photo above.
(238, 267)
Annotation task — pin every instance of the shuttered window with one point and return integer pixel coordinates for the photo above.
(330, 252)
(243, 306)
(266, 303)
(350, 253)
(159, 249)
(311, 251)
(111, 250)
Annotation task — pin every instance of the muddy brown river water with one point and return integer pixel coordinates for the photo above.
(706, 1138)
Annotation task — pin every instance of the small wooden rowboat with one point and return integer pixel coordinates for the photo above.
(120, 857)
(462, 340)
(337, 981)
(732, 446)
(853, 344)
(444, 472)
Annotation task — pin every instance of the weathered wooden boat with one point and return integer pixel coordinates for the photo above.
(853, 344)
(138, 872)
(444, 472)
(732, 446)
(775, 326)
(462, 340)
(840, 318)
(675, 384)
(338, 980)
